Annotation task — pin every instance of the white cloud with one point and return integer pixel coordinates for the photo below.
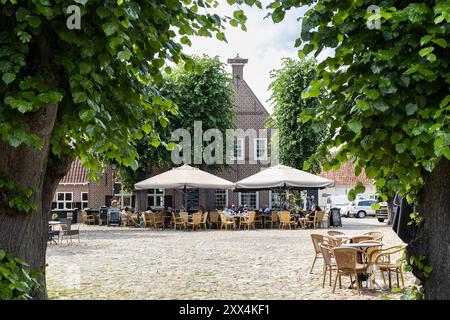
(264, 45)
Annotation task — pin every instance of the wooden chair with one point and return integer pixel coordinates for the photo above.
(177, 221)
(88, 219)
(226, 222)
(347, 263)
(358, 239)
(389, 260)
(274, 219)
(335, 232)
(376, 235)
(159, 220)
(196, 221)
(317, 221)
(214, 219)
(148, 221)
(204, 221)
(184, 216)
(67, 231)
(285, 220)
(250, 222)
(317, 239)
(329, 264)
(259, 219)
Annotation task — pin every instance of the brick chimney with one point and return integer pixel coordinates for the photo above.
(237, 65)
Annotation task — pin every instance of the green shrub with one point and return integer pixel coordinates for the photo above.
(16, 282)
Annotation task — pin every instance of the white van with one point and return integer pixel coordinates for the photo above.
(342, 203)
(336, 202)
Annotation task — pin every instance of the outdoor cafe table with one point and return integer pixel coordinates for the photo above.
(371, 268)
(341, 236)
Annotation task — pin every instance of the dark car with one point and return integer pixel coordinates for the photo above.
(382, 213)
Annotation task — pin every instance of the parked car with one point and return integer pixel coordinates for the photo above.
(362, 208)
(382, 212)
(342, 203)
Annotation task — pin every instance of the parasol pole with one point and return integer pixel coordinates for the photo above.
(185, 198)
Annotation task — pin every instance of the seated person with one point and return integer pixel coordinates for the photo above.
(126, 216)
(314, 209)
(266, 211)
(241, 208)
(245, 215)
(228, 212)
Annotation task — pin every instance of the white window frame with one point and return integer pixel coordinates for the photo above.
(121, 197)
(237, 142)
(83, 201)
(255, 148)
(64, 201)
(155, 195)
(270, 199)
(257, 199)
(226, 197)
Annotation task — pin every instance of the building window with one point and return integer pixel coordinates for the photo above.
(260, 148)
(238, 149)
(251, 199)
(84, 200)
(64, 200)
(277, 199)
(155, 198)
(192, 200)
(221, 199)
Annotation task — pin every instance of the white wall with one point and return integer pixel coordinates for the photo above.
(340, 190)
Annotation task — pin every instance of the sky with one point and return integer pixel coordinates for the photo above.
(264, 44)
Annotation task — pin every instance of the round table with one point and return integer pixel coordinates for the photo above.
(361, 245)
(341, 236)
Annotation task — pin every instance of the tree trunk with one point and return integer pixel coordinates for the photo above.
(25, 234)
(433, 236)
(390, 203)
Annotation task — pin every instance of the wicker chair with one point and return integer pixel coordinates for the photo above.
(250, 222)
(388, 260)
(358, 239)
(184, 216)
(204, 221)
(196, 221)
(259, 219)
(274, 219)
(317, 239)
(148, 221)
(285, 219)
(226, 222)
(88, 219)
(347, 263)
(329, 264)
(335, 233)
(214, 219)
(177, 221)
(318, 220)
(159, 220)
(376, 235)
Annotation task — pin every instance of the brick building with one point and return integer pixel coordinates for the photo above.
(75, 190)
(250, 114)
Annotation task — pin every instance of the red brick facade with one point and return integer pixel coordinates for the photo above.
(76, 183)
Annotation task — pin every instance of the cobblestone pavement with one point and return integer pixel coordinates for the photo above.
(131, 263)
